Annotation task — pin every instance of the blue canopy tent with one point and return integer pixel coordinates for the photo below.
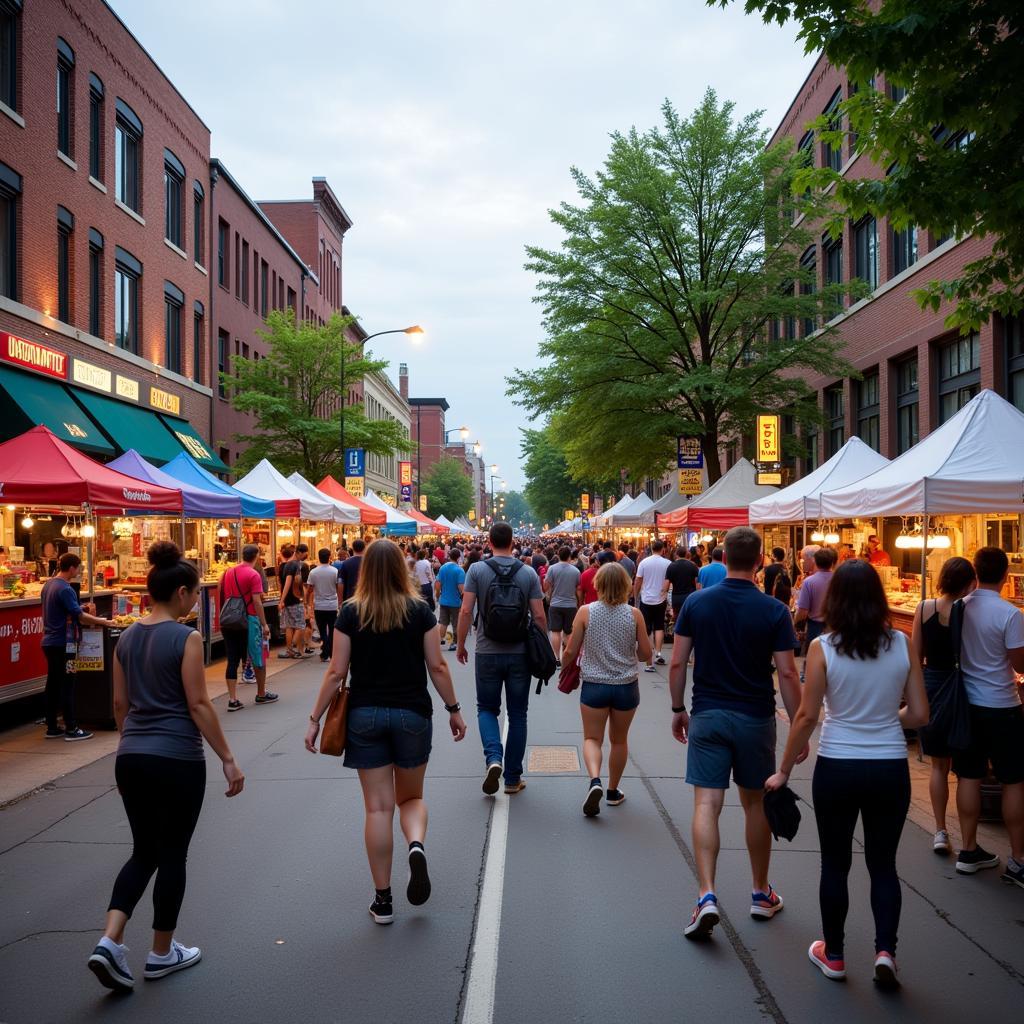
(186, 470)
(397, 524)
(199, 502)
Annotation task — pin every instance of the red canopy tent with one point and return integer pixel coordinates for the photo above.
(38, 468)
(368, 515)
(427, 521)
(723, 505)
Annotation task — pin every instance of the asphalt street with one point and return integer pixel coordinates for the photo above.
(581, 919)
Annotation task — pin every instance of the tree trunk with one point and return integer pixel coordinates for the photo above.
(712, 460)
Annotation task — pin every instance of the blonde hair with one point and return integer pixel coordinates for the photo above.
(384, 590)
(612, 584)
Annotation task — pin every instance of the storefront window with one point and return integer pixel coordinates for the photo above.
(959, 374)
(835, 411)
(1014, 335)
(173, 300)
(907, 399)
(127, 272)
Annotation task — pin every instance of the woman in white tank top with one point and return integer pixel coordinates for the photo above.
(861, 669)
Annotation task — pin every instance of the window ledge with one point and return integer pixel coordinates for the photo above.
(127, 209)
(97, 184)
(64, 158)
(13, 115)
(170, 245)
(202, 270)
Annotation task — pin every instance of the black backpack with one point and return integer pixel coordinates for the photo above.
(506, 611)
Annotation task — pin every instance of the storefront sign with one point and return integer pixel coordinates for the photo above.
(91, 376)
(771, 479)
(193, 446)
(34, 356)
(127, 388)
(570, 514)
(769, 447)
(689, 454)
(355, 462)
(405, 474)
(388, 498)
(423, 503)
(691, 481)
(585, 502)
(90, 651)
(164, 401)
(354, 486)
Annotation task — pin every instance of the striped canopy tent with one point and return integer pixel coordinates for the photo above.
(723, 505)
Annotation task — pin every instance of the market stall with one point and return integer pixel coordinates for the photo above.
(428, 527)
(369, 515)
(445, 522)
(960, 488)
(396, 524)
(603, 520)
(44, 481)
(322, 534)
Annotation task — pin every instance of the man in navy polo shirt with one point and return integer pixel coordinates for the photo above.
(62, 616)
(735, 631)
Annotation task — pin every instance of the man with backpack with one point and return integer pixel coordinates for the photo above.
(506, 595)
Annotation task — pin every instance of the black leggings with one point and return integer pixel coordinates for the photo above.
(325, 627)
(236, 650)
(162, 797)
(878, 791)
(60, 689)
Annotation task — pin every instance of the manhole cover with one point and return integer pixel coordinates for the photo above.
(553, 760)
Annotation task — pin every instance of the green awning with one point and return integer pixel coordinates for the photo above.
(31, 400)
(128, 426)
(194, 444)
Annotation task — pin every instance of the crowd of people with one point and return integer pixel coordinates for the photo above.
(387, 613)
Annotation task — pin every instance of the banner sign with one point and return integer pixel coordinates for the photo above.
(406, 492)
(570, 514)
(691, 481)
(769, 443)
(355, 463)
(34, 356)
(472, 515)
(772, 479)
(585, 502)
(405, 474)
(689, 454)
(423, 503)
(354, 486)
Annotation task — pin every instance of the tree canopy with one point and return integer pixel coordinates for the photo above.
(953, 145)
(448, 489)
(673, 304)
(294, 395)
(517, 508)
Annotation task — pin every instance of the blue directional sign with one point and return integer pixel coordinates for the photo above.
(406, 492)
(689, 454)
(355, 462)
(585, 524)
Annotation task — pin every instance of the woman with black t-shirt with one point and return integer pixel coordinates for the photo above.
(386, 634)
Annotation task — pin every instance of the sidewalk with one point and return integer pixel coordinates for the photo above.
(28, 761)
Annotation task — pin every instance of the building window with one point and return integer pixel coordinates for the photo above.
(832, 156)
(959, 374)
(95, 283)
(244, 264)
(907, 401)
(198, 234)
(832, 253)
(65, 97)
(65, 225)
(174, 299)
(1013, 336)
(897, 93)
(868, 411)
(835, 413)
(174, 200)
(223, 361)
(809, 265)
(95, 127)
(238, 266)
(223, 241)
(10, 190)
(198, 314)
(865, 251)
(264, 287)
(127, 272)
(293, 301)
(811, 450)
(904, 249)
(9, 54)
(127, 153)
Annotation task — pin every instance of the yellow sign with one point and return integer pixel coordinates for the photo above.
(164, 401)
(405, 473)
(127, 388)
(74, 430)
(769, 444)
(354, 486)
(584, 502)
(690, 481)
(423, 503)
(773, 479)
(569, 514)
(193, 446)
(472, 515)
(91, 376)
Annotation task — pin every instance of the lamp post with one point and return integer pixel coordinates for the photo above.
(414, 331)
(494, 476)
(463, 432)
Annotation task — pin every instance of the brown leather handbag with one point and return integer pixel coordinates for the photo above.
(332, 739)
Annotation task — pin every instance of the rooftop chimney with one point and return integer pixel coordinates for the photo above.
(403, 380)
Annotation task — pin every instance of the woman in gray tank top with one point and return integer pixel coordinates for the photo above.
(163, 712)
(611, 636)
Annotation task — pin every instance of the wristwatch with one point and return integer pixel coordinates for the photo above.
(678, 711)
(453, 708)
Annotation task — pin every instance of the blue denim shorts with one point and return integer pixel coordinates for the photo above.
(723, 742)
(381, 736)
(617, 696)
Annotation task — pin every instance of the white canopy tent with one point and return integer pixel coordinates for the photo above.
(444, 521)
(629, 515)
(345, 514)
(264, 481)
(973, 463)
(395, 521)
(602, 519)
(801, 501)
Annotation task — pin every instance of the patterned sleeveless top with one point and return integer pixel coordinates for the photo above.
(609, 645)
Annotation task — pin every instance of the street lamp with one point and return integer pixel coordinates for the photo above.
(463, 432)
(476, 447)
(415, 333)
(494, 476)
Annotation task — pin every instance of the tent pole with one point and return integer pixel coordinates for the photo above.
(924, 558)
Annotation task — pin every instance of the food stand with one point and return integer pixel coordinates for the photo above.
(427, 527)
(396, 524)
(326, 535)
(369, 515)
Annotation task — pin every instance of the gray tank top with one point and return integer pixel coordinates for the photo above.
(158, 720)
(609, 645)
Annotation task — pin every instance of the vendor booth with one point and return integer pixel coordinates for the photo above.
(326, 534)
(396, 524)
(599, 522)
(445, 522)
(427, 527)
(369, 515)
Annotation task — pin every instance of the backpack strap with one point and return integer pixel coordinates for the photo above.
(956, 626)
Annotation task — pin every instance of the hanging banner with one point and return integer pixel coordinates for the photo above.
(691, 481)
(406, 492)
(355, 462)
(689, 454)
(769, 442)
(472, 515)
(423, 503)
(354, 486)
(570, 514)
(405, 474)
(584, 502)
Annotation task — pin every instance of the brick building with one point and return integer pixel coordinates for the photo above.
(916, 373)
(426, 429)
(103, 248)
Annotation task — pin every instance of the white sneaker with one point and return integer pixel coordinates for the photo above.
(940, 843)
(177, 959)
(110, 965)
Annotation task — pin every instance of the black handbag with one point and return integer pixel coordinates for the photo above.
(540, 657)
(950, 719)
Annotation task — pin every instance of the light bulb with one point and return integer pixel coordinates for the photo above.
(940, 540)
(831, 538)
(10, 508)
(28, 522)
(817, 537)
(88, 530)
(902, 541)
(223, 531)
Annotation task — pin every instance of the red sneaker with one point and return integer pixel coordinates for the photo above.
(885, 970)
(835, 969)
(765, 904)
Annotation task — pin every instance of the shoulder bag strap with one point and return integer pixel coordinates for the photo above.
(956, 625)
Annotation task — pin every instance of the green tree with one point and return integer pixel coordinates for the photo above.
(449, 491)
(955, 141)
(517, 508)
(294, 395)
(673, 303)
(550, 486)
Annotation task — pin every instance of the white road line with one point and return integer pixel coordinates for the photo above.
(482, 980)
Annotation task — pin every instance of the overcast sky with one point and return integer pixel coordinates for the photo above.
(447, 129)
